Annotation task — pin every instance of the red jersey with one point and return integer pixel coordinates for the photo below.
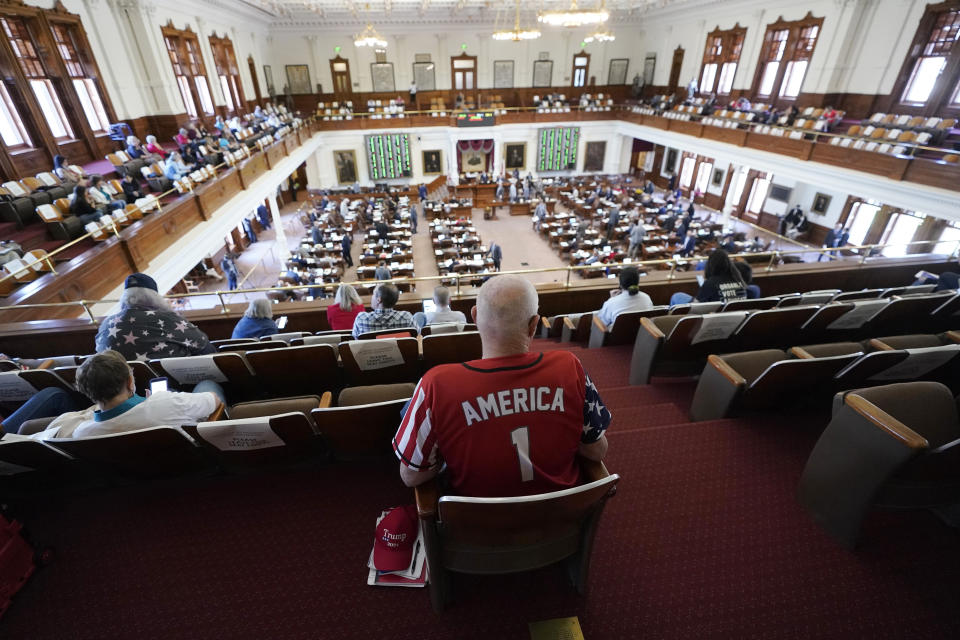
(504, 426)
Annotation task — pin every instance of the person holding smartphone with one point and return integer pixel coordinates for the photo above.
(107, 379)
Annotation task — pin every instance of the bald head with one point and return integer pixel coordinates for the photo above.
(506, 305)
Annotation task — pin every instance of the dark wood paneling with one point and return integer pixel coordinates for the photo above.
(90, 276)
(877, 163)
(784, 146)
(75, 151)
(290, 143)
(722, 134)
(685, 127)
(149, 237)
(817, 234)
(275, 153)
(934, 173)
(252, 169)
(213, 195)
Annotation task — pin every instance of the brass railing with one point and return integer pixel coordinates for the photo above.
(775, 258)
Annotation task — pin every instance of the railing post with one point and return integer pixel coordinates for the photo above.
(569, 269)
(223, 305)
(673, 268)
(457, 275)
(773, 259)
(866, 254)
(86, 307)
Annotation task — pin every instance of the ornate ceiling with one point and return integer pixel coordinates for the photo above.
(386, 13)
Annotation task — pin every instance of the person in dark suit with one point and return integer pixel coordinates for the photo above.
(689, 244)
(612, 221)
(670, 223)
(264, 216)
(496, 254)
(836, 237)
(346, 243)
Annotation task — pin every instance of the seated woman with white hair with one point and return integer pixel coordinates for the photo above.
(136, 150)
(257, 321)
(345, 308)
(153, 147)
(146, 327)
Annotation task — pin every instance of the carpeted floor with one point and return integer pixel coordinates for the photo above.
(704, 539)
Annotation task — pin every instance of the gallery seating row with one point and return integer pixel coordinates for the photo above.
(249, 435)
(280, 372)
(583, 326)
(680, 344)
(775, 379)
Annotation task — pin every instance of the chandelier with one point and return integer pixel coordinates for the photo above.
(516, 34)
(370, 38)
(574, 17)
(601, 35)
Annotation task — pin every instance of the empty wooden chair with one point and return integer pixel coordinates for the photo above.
(761, 379)
(890, 446)
(294, 371)
(229, 369)
(450, 348)
(912, 311)
(381, 361)
(257, 441)
(900, 365)
(678, 344)
(507, 535)
(622, 331)
(360, 431)
(145, 452)
(26, 456)
(373, 335)
(751, 304)
(865, 294)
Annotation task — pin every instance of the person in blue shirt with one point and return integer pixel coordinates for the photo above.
(174, 168)
(257, 321)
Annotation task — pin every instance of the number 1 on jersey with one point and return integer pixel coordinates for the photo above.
(521, 442)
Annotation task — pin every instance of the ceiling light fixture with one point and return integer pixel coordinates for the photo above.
(370, 38)
(574, 17)
(517, 34)
(601, 35)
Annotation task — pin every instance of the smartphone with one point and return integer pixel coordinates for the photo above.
(158, 384)
(429, 305)
(282, 322)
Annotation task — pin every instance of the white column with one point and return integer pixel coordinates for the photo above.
(313, 172)
(282, 249)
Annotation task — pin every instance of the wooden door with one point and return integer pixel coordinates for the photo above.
(675, 69)
(340, 71)
(463, 71)
(581, 67)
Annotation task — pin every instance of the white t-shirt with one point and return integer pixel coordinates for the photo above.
(622, 303)
(439, 317)
(164, 408)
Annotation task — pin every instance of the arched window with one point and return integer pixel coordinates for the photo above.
(721, 56)
(929, 80)
(785, 58)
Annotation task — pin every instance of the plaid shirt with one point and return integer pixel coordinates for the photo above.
(382, 319)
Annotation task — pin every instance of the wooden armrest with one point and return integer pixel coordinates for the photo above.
(879, 345)
(801, 353)
(217, 413)
(726, 370)
(885, 421)
(652, 329)
(326, 400)
(568, 323)
(427, 496)
(598, 323)
(46, 364)
(545, 322)
(952, 336)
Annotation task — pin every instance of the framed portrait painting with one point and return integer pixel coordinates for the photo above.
(821, 202)
(717, 178)
(515, 154)
(268, 78)
(542, 73)
(618, 71)
(432, 163)
(346, 165)
(593, 159)
(298, 79)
